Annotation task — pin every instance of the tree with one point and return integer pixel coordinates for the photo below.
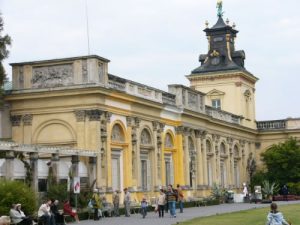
(5, 41)
(283, 162)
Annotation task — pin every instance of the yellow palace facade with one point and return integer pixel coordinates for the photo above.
(115, 133)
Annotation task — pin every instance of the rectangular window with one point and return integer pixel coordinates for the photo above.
(144, 174)
(216, 103)
(42, 185)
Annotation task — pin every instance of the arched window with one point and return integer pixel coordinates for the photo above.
(223, 148)
(208, 146)
(117, 134)
(146, 137)
(169, 141)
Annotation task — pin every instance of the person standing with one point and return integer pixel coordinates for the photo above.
(96, 204)
(180, 197)
(171, 199)
(285, 192)
(127, 200)
(161, 203)
(274, 217)
(116, 202)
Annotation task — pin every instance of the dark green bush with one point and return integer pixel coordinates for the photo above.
(58, 192)
(294, 188)
(12, 192)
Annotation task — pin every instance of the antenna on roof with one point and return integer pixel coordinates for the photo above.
(87, 27)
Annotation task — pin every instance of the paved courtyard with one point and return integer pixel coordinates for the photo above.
(188, 214)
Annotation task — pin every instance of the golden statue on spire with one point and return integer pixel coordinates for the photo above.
(219, 7)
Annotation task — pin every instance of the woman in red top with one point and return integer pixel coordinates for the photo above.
(68, 210)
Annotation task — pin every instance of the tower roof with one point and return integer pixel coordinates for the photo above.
(221, 55)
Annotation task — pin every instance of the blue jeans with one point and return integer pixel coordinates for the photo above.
(172, 208)
(144, 211)
(180, 204)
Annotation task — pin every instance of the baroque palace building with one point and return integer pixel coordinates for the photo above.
(73, 116)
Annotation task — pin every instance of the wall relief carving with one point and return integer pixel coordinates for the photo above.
(52, 76)
(145, 137)
(117, 134)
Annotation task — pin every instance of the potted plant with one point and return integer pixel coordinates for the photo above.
(217, 192)
(269, 189)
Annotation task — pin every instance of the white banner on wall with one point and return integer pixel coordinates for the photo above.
(76, 185)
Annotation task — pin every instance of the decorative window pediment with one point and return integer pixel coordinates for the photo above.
(215, 92)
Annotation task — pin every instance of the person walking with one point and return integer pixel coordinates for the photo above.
(180, 197)
(161, 203)
(127, 200)
(171, 199)
(274, 217)
(116, 202)
(144, 206)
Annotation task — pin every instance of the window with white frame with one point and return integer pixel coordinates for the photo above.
(216, 103)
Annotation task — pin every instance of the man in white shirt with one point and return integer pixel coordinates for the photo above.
(45, 214)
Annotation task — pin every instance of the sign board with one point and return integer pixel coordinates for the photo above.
(76, 185)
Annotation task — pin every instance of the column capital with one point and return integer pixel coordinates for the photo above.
(15, 120)
(80, 115)
(199, 133)
(33, 156)
(179, 130)
(27, 119)
(94, 114)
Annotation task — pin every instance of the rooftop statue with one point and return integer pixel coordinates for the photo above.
(219, 7)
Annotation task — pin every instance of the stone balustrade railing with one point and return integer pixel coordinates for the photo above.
(222, 115)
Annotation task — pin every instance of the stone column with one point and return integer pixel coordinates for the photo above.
(17, 132)
(9, 162)
(93, 133)
(231, 163)
(55, 167)
(204, 157)
(92, 170)
(199, 159)
(178, 157)
(27, 123)
(135, 153)
(105, 151)
(75, 165)
(33, 157)
(216, 167)
(187, 156)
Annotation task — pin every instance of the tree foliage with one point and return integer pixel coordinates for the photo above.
(283, 162)
(12, 192)
(5, 41)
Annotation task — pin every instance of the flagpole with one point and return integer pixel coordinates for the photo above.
(87, 27)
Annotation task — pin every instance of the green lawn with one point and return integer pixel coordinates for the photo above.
(249, 217)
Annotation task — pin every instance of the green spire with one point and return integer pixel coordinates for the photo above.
(219, 7)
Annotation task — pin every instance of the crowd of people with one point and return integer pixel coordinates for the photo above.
(50, 214)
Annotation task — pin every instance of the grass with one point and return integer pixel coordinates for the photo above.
(249, 217)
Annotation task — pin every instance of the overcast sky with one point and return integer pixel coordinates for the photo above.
(157, 42)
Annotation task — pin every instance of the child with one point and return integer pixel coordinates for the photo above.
(275, 217)
(144, 205)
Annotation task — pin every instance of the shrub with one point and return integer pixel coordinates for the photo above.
(294, 188)
(12, 192)
(58, 192)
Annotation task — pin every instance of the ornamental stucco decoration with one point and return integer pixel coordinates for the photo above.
(27, 119)
(15, 120)
(169, 141)
(52, 76)
(117, 134)
(145, 137)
